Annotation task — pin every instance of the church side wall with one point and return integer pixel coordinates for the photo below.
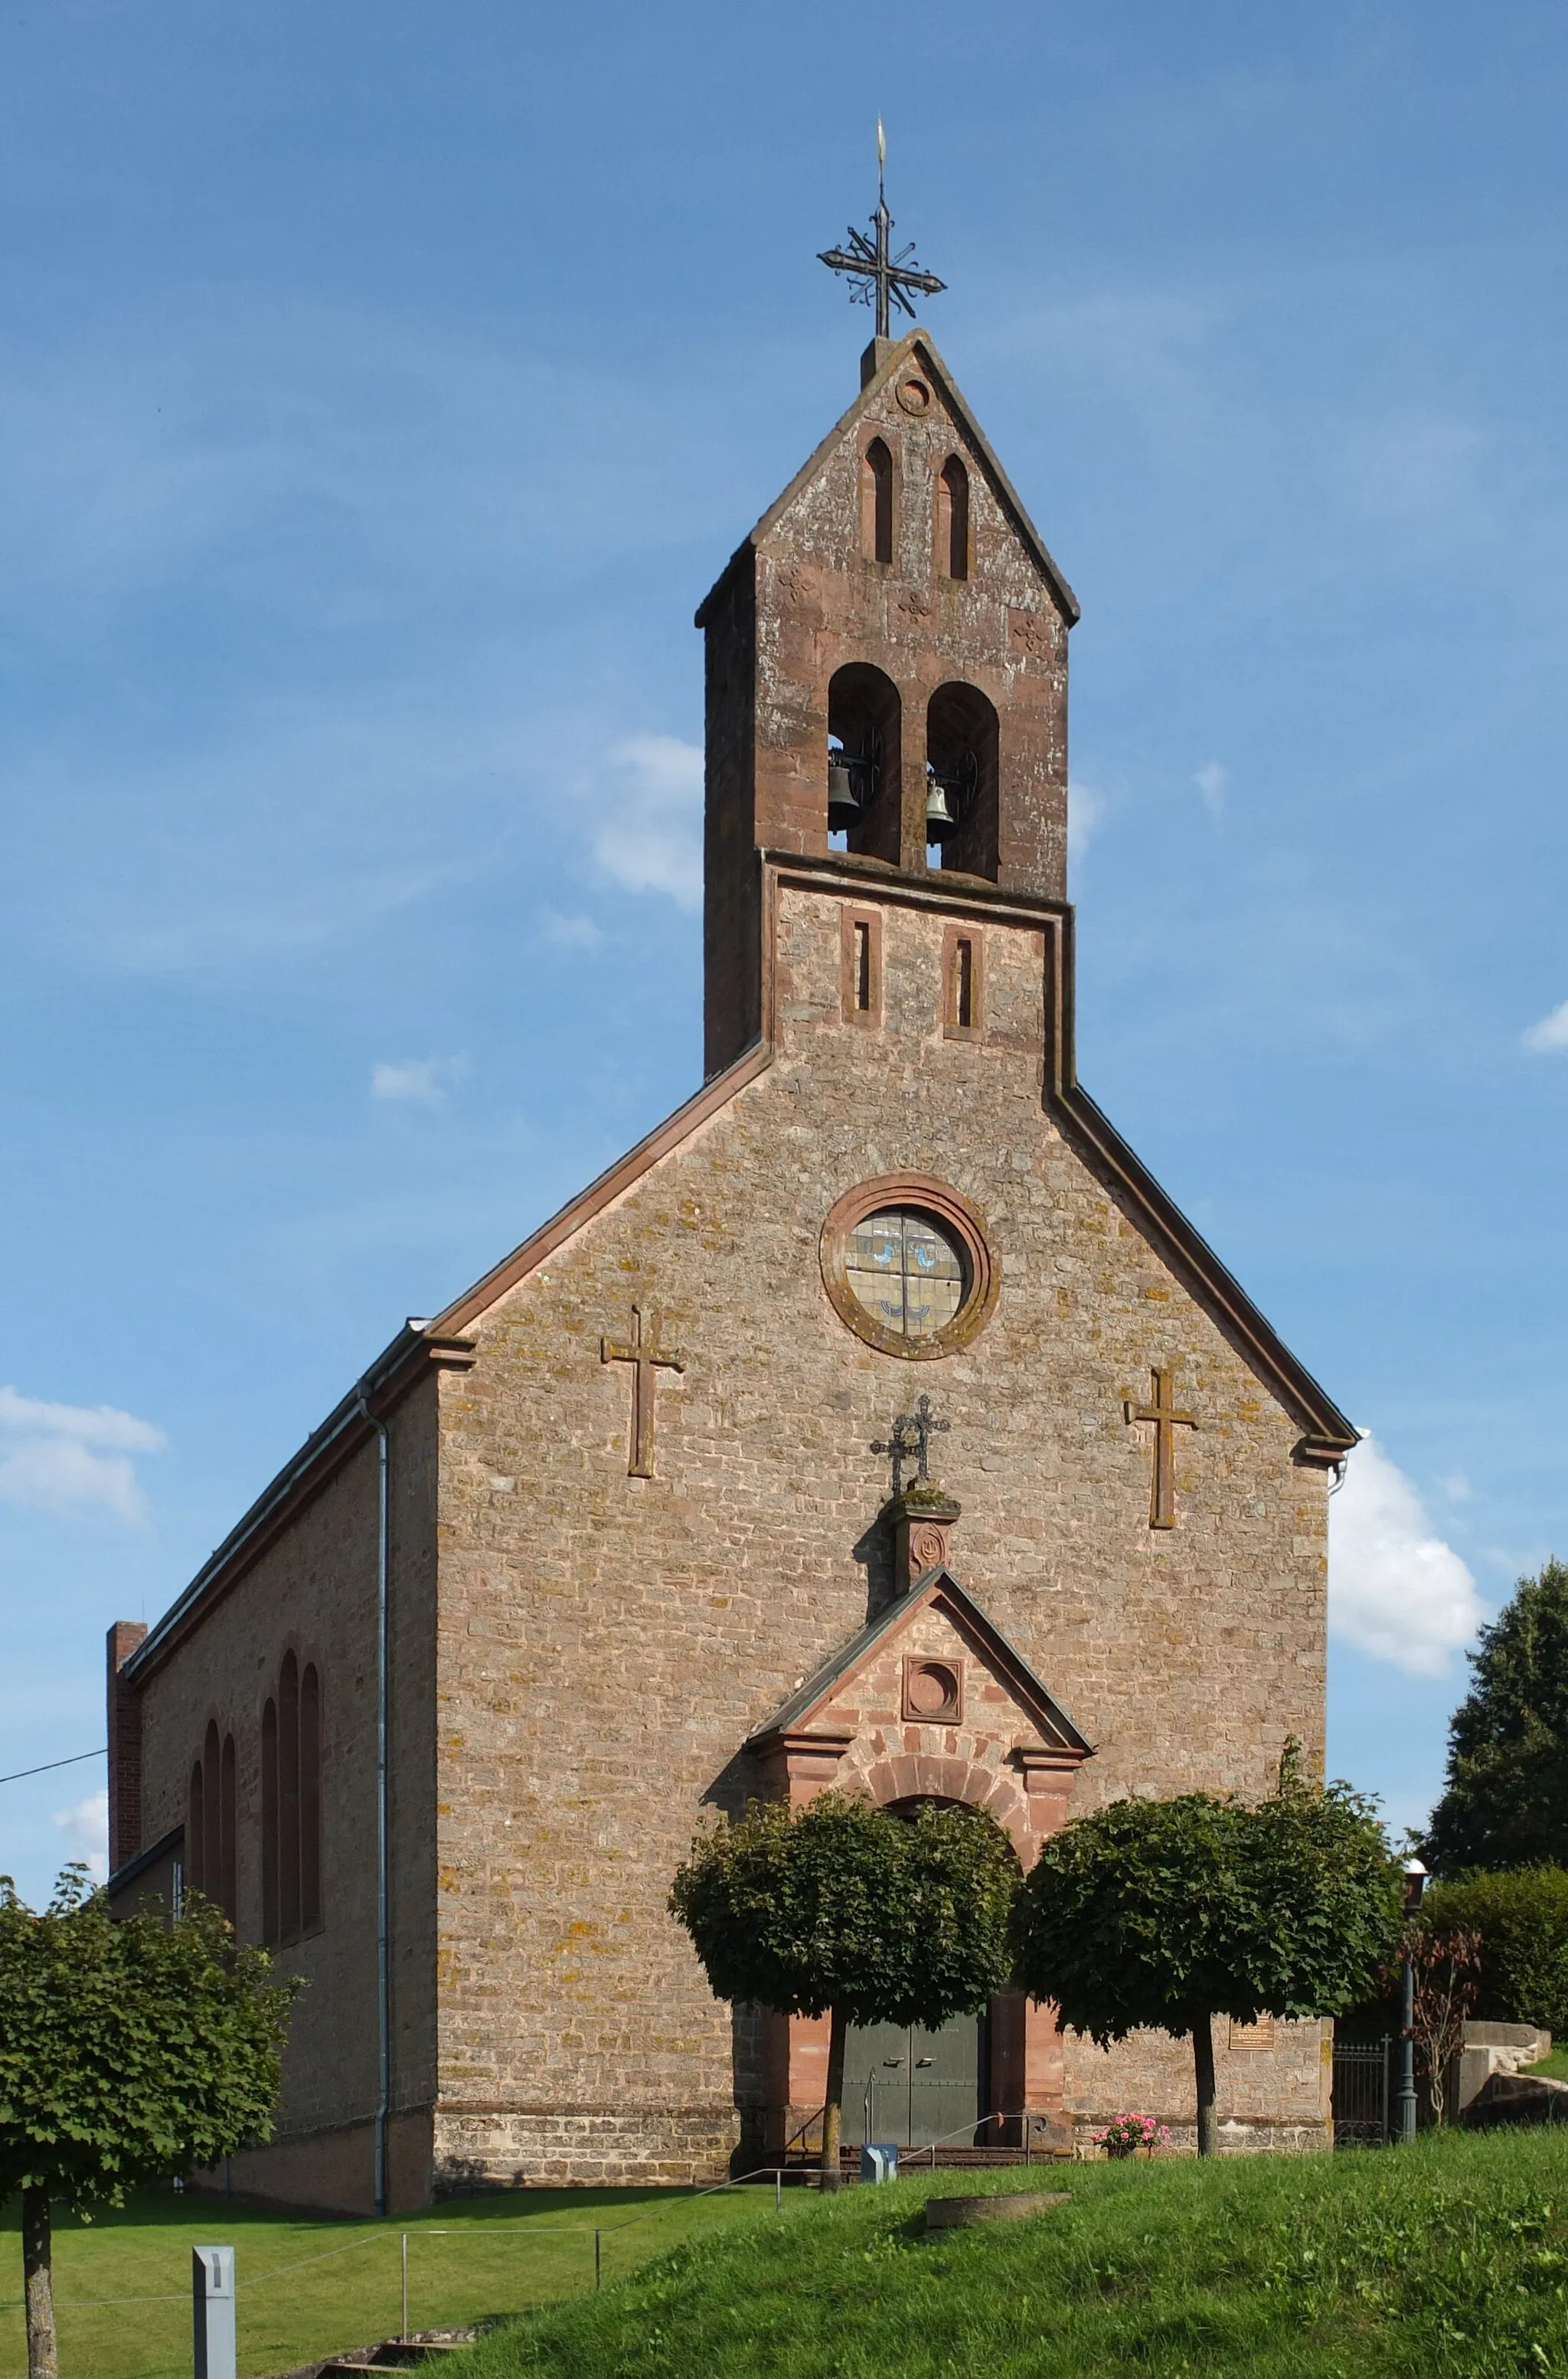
(314, 1591)
(608, 1643)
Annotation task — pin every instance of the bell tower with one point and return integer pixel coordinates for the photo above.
(887, 664)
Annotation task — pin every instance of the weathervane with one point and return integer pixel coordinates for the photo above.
(884, 279)
(910, 1439)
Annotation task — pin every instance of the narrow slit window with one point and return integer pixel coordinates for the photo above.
(876, 502)
(860, 968)
(963, 985)
(952, 518)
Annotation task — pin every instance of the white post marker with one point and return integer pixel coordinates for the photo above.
(213, 2306)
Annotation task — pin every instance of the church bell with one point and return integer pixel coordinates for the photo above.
(940, 821)
(846, 804)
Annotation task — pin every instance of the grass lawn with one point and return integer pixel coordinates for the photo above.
(1448, 2257)
(122, 2285)
(1554, 2066)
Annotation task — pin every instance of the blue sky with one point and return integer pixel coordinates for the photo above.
(380, 391)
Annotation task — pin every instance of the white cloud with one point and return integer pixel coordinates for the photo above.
(1086, 809)
(1551, 1034)
(571, 933)
(86, 1829)
(72, 1457)
(419, 1080)
(1213, 784)
(649, 834)
(1396, 1590)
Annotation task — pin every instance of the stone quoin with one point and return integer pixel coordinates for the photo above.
(606, 1545)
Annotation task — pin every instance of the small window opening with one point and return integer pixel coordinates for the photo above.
(963, 985)
(863, 966)
(952, 518)
(876, 502)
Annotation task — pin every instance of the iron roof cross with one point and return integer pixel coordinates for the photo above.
(910, 1439)
(884, 279)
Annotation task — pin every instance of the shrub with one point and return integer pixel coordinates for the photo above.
(1522, 1917)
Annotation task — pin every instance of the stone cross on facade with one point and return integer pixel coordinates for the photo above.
(911, 1440)
(1166, 1420)
(646, 1360)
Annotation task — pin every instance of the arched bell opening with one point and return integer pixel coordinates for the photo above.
(865, 762)
(961, 771)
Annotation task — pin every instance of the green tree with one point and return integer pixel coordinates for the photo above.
(128, 2052)
(1505, 1803)
(1520, 1918)
(1169, 1913)
(845, 1910)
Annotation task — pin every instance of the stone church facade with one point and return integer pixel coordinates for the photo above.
(606, 1545)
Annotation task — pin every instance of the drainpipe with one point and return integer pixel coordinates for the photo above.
(383, 1894)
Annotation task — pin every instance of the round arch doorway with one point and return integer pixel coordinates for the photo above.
(912, 2088)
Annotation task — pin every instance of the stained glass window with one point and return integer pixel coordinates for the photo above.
(907, 1272)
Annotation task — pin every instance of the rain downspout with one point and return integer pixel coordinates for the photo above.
(383, 1894)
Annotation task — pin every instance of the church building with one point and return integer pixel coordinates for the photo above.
(878, 1424)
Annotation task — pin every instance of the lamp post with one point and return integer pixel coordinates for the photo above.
(1405, 2121)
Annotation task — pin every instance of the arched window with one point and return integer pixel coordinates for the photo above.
(213, 1816)
(288, 1799)
(309, 1800)
(291, 1803)
(865, 762)
(211, 1858)
(876, 502)
(270, 1921)
(952, 519)
(228, 1854)
(961, 780)
(196, 1831)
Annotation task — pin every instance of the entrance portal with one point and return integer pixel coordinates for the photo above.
(916, 2088)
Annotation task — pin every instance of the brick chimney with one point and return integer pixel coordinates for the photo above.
(124, 1745)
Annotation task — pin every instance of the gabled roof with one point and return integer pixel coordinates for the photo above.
(940, 1590)
(916, 343)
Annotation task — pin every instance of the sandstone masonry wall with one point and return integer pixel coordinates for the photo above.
(607, 1644)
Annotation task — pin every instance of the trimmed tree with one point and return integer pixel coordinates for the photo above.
(1505, 1804)
(842, 1909)
(1167, 1913)
(1521, 1920)
(128, 2052)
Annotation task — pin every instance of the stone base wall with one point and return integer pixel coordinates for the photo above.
(1273, 2083)
(1233, 2138)
(582, 2147)
(331, 2171)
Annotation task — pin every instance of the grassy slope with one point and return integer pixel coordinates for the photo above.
(1448, 2257)
(472, 2258)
